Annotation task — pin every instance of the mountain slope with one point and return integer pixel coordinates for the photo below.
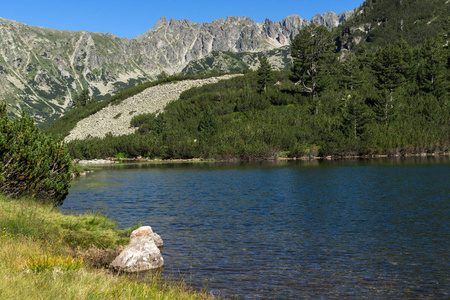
(222, 61)
(115, 118)
(41, 69)
(380, 22)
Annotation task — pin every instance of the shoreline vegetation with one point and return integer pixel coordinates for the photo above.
(48, 255)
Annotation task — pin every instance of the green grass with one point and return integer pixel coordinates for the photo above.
(47, 255)
(42, 222)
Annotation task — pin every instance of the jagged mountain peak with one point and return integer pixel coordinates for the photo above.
(41, 69)
(161, 22)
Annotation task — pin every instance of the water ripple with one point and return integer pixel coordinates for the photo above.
(288, 230)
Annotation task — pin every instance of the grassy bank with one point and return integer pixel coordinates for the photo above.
(47, 255)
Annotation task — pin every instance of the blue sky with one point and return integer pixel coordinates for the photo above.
(131, 18)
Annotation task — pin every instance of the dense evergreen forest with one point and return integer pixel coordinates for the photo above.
(380, 22)
(392, 98)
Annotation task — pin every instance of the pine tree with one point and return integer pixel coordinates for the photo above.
(208, 123)
(264, 74)
(356, 115)
(32, 164)
(308, 49)
(432, 71)
(351, 74)
(390, 67)
(83, 99)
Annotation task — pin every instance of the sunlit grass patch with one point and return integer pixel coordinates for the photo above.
(44, 222)
(34, 270)
(45, 254)
(44, 262)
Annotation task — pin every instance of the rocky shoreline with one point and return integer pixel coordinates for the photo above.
(112, 160)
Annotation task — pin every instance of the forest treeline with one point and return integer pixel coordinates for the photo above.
(393, 100)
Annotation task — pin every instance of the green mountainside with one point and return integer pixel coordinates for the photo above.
(384, 97)
(380, 22)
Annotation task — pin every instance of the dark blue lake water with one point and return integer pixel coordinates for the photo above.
(289, 230)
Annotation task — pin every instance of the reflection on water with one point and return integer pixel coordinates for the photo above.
(288, 230)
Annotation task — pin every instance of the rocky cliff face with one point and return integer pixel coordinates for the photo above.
(41, 69)
(225, 61)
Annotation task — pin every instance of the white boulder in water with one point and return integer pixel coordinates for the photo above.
(142, 254)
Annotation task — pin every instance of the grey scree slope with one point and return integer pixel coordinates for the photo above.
(115, 119)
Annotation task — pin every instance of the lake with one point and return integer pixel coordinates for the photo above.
(365, 229)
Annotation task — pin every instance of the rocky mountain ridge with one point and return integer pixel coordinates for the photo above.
(41, 70)
(225, 61)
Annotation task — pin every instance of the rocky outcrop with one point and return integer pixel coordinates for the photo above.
(215, 62)
(41, 70)
(142, 254)
(331, 19)
(115, 119)
(147, 231)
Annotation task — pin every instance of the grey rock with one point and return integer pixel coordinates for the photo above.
(140, 255)
(96, 162)
(279, 58)
(147, 231)
(346, 15)
(331, 19)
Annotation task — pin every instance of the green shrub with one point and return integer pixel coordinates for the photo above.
(141, 119)
(121, 155)
(32, 163)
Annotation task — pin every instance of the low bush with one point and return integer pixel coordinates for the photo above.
(31, 162)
